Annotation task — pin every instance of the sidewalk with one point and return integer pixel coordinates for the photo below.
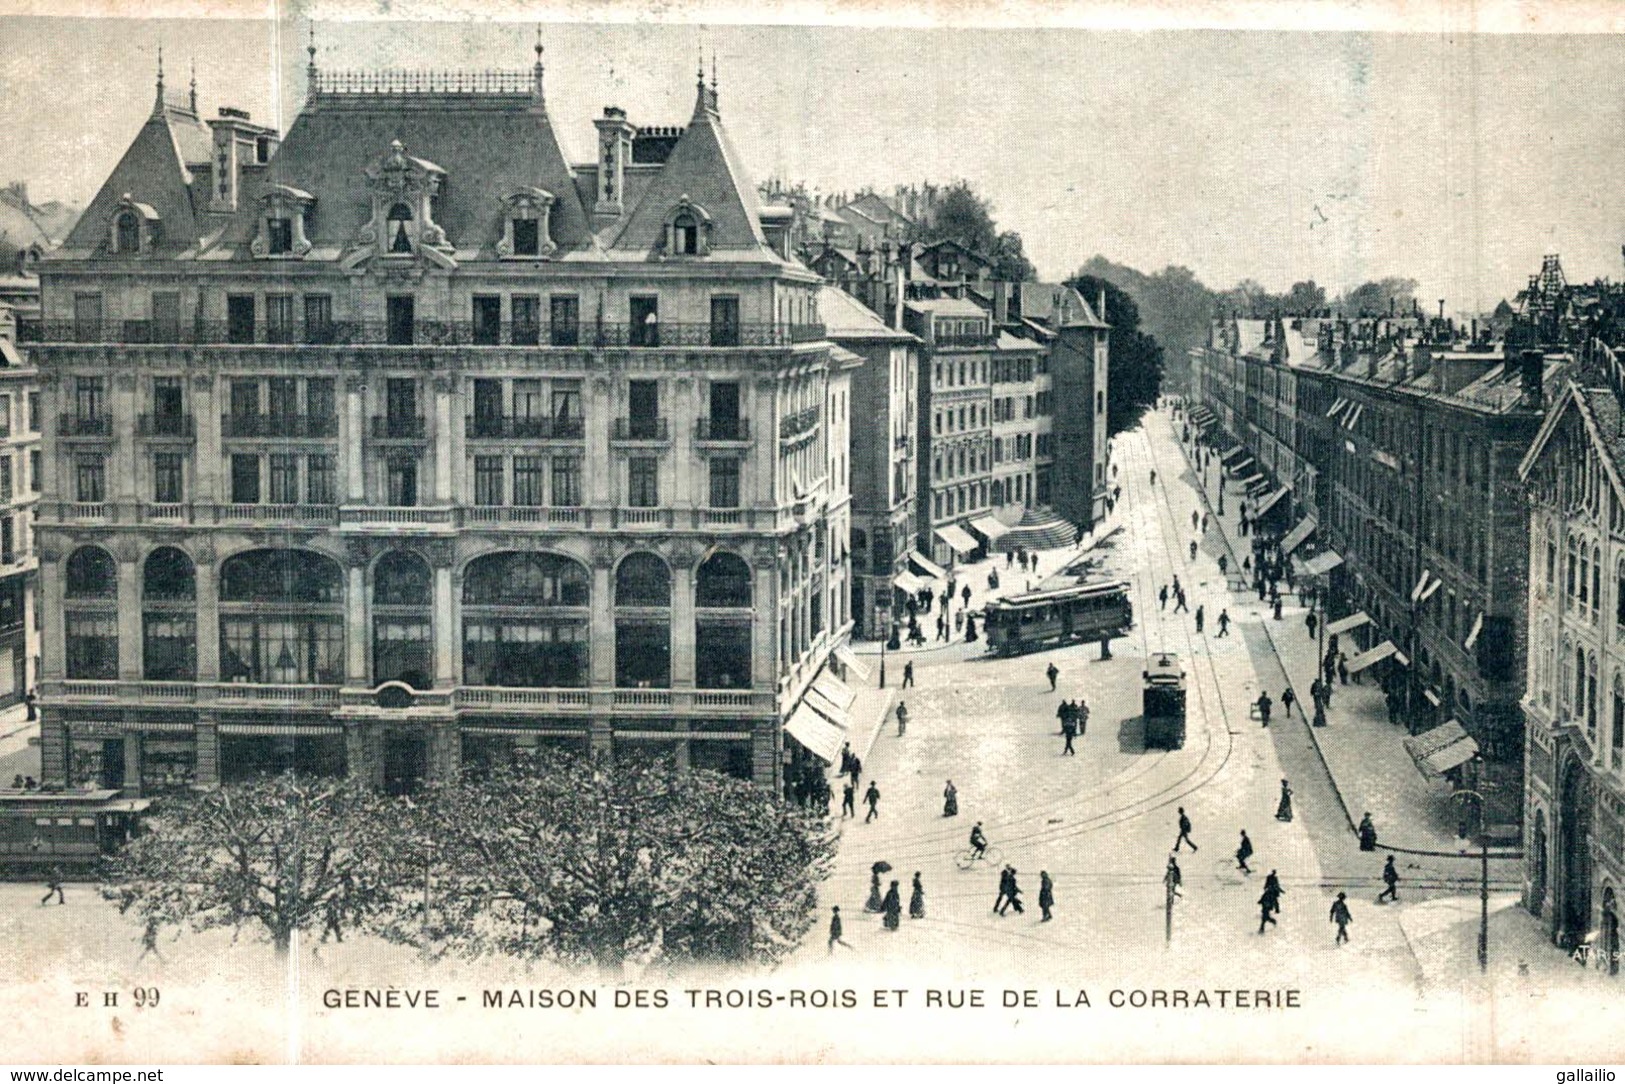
(1361, 750)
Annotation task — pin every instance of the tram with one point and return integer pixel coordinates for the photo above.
(1087, 613)
(1163, 702)
(64, 830)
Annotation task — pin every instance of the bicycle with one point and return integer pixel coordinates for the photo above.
(968, 858)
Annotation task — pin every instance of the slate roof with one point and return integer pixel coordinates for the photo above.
(1057, 304)
(155, 171)
(846, 318)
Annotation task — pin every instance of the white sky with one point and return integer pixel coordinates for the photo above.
(1455, 159)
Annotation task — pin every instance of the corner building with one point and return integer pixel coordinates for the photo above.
(400, 443)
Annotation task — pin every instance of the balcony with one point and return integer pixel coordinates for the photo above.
(640, 429)
(501, 427)
(799, 424)
(75, 427)
(166, 427)
(722, 430)
(325, 515)
(429, 333)
(362, 515)
(399, 427)
(279, 426)
(524, 515)
(644, 517)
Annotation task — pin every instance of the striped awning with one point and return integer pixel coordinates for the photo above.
(834, 690)
(1345, 624)
(827, 708)
(1242, 464)
(1253, 479)
(850, 660)
(1337, 406)
(1232, 453)
(1321, 563)
(957, 538)
(279, 731)
(1296, 536)
(908, 582)
(925, 566)
(1438, 750)
(1371, 658)
(818, 734)
(1271, 501)
(990, 528)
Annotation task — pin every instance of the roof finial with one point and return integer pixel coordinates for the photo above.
(699, 73)
(714, 107)
(536, 88)
(158, 98)
(310, 68)
(194, 88)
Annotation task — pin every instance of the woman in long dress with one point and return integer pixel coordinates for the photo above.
(950, 800)
(916, 899)
(893, 908)
(1283, 812)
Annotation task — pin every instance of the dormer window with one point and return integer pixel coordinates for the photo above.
(129, 233)
(688, 230)
(527, 225)
(397, 225)
(281, 232)
(133, 228)
(279, 236)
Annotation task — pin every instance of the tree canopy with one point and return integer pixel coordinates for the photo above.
(965, 216)
(1134, 363)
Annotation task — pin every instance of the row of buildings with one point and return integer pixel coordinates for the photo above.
(1459, 497)
(397, 442)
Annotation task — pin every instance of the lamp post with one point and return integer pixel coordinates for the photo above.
(882, 620)
(1483, 875)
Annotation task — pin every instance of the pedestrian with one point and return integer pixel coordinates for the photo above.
(1244, 852)
(1199, 619)
(1368, 834)
(1012, 895)
(1179, 601)
(1004, 890)
(970, 630)
(1162, 596)
(53, 887)
(1390, 877)
(1272, 885)
(875, 901)
(1193, 549)
(959, 621)
(1277, 607)
(872, 797)
(1224, 622)
(857, 769)
(1153, 477)
(1246, 563)
(1311, 622)
(1195, 519)
(1046, 894)
(1009, 558)
(31, 701)
(942, 626)
(892, 908)
(908, 667)
(848, 800)
(1342, 669)
(17, 782)
(1172, 878)
(1052, 673)
(950, 800)
(964, 595)
(1264, 709)
(916, 898)
(1204, 523)
(1341, 916)
(835, 930)
(1269, 903)
(1288, 698)
(1069, 730)
(1224, 565)
(1283, 809)
(912, 604)
(1184, 831)
(902, 720)
(1080, 715)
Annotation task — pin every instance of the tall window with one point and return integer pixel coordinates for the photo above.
(245, 479)
(166, 317)
(240, 318)
(128, 229)
(90, 478)
(283, 475)
(488, 479)
(685, 235)
(322, 406)
(566, 482)
(643, 622)
(318, 318)
(169, 620)
(643, 482)
(321, 480)
(565, 319)
(644, 315)
(527, 311)
(87, 317)
(487, 320)
(281, 618)
(525, 621)
(402, 480)
(89, 397)
(527, 237)
(402, 649)
(279, 321)
(724, 321)
(166, 478)
(529, 480)
(725, 483)
(722, 623)
(90, 617)
(400, 241)
(279, 236)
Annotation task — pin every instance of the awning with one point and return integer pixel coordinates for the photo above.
(1232, 453)
(1431, 697)
(1296, 536)
(1344, 624)
(851, 661)
(907, 582)
(8, 354)
(1322, 563)
(1438, 750)
(926, 567)
(1337, 406)
(990, 527)
(1416, 592)
(815, 732)
(957, 538)
(1370, 658)
(1430, 589)
(1242, 464)
(1252, 480)
(1271, 501)
(834, 690)
(1206, 421)
(1472, 637)
(827, 708)
(279, 731)
(1353, 418)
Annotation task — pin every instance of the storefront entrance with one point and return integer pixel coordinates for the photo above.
(406, 758)
(1573, 904)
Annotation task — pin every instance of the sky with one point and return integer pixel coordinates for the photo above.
(1456, 159)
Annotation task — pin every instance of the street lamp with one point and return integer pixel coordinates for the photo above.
(882, 616)
(1483, 876)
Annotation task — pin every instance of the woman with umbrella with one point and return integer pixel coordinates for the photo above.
(875, 904)
(892, 908)
(916, 899)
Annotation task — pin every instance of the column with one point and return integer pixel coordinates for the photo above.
(766, 743)
(445, 747)
(129, 612)
(682, 624)
(598, 472)
(208, 750)
(353, 440)
(765, 426)
(445, 632)
(53, 644)
(207, 467)
(764, 640)
(122, 470)
(602, 623)
(132, 765)
(208, 618)
(680, 411)
(442, 443)
(356, 636)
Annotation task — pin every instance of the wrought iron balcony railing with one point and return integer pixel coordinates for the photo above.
(398, 427)
(166, 425)
(722, 429)
(640, 429)
(793, 425)
(433, 333)
(74, 425)
(504, 427)
(289, 426)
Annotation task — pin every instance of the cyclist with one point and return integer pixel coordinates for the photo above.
(978, 842)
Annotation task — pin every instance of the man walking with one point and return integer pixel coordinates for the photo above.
(1184, 831)
(1069, 730)
(1224, 623)
(1264, 709)
(1311, 622)
(1341, 916)
(1172, 878)
(1288, 698)
(1179, 601)
(1198, 619)
(1162, 596)
(1244, 852)
(1052, 673)
(1080, 716)
(908, 667)
(835, 930)
(872, 797)
(1390, 877)
(53, 887)
(849, 800)
(1046, 894)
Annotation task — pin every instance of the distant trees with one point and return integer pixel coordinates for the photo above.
(1374, 298)
(1135, 361)
(965, 216)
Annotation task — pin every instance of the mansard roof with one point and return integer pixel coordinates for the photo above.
(156, 170)
(488, 146)
(704, 167)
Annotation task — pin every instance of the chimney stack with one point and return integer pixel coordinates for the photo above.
(1532, 365)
